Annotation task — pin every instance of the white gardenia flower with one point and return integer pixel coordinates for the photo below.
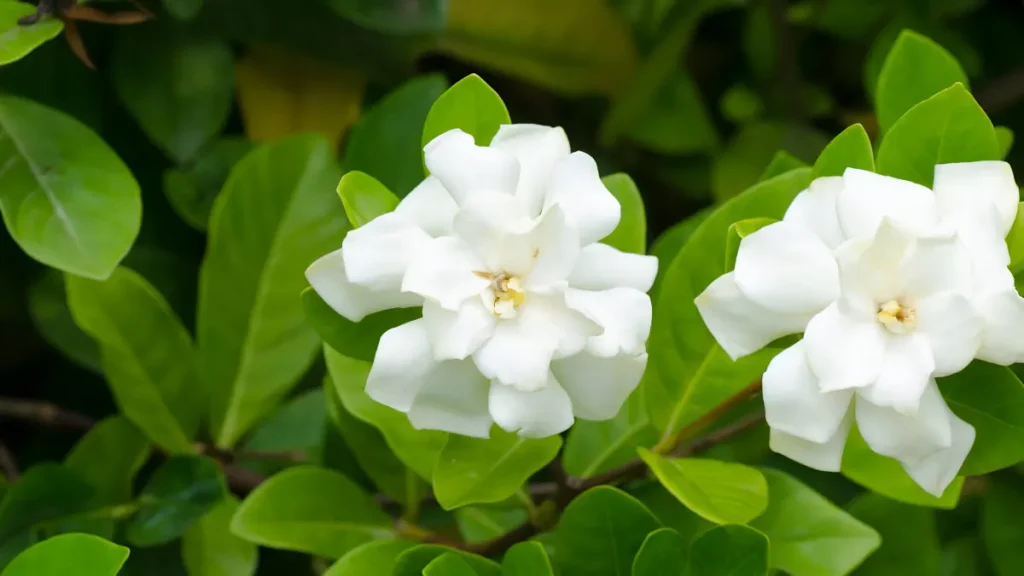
(527, 320)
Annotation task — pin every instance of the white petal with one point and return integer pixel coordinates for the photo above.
(498, 229)
(989, 254)
(786, 268)
(906, 438)
(378, 253)
(815, 209)
(430, 207)
(938, 264)
(872, 270)
(740, 326)
(793, 402)
(550, 315)
(520, 351)
(454, 399)
(936, 471)
(465, 168)
(401, 366)
(867, 198)
(600, 267)
(906, 371)
(844, 352)
(327, 277)
(826, 456)
(536, 414)
(599, 386)
(455, 335)
(555, 247)
(576, 186)
(444, 272)
(538, 149)
(624, 313)
(1002, 341)
(953, 330)
(964, 188)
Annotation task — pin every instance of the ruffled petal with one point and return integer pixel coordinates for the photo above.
(520, 350)
(555, 249)
(906, 371)
(953, 330)
(815, 209)
(454, 399)
(536, 414)
(455, 335)
(844, 352)
(907, 438)
(465, 168)
(538, 149)
(430, 207)
(935, 472)
(871, 269)
(551, 315)
(793, 402)
(785, 268)
(867, 198)
(327, 277)
(740, 326)
(401, 366)
(445, 272)
(599, 386)
(601, 267)
(576, 186)
(378, 254)
(1003, 315)
(498, 229)
(624, 313)
(825, 456)
(962, 189)
(938, 264)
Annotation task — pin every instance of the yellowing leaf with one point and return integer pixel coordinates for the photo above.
(282, 94)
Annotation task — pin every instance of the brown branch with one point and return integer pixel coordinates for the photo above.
(8, 465)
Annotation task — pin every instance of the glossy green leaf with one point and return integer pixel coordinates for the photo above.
(18, 40)
(480, 470)
(148, 356)
(688, 374)
(781, 163)
(722, 492)
(48, 305)
(183, 9)
(180, 491)
(1015, 242)
(179, 88)
(915, 69)
(910, 542)
(269, 223)
(1001, 529)
(631, 233)
(470, 105)
(46, 494)
(809, 535)
(600, 532)
(394, 16)
(948, 127)
(386, 142)
(364, 198)
(593, 447)
(527, 559)
(997, 421)
(66, 197)
(414, 560)
(448, 565)
(210, 549)
(296, 427)
(729, 551)
(850, 149)
(663, 553)
(192, 190)
(78, 554)
(482, 523)
(737, 232)
(354, 339)
(378, 557)
(418, 449)
(1005, 137)
(310, 510)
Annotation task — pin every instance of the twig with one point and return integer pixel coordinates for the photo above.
(8, 465)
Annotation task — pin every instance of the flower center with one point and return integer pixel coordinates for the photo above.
(504, 295)
(896, 317)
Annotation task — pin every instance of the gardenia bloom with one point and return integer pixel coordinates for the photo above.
(893, 285)
(527, 320)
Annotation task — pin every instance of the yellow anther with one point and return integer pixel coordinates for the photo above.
(896, 317)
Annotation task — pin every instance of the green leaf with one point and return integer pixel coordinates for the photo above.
(737, 232)
(593, 447)
(179, 88)
(354, 339)
(809, 535)
(385, 142)
(148, 356)
(910, 543)
(1015, 242)
(470, 105)
(781, 163)
(663, 553)
(688, 374)
(66, 197)
(297, 426)
(482, 523)
(378, 557)
(850, 149)
(722, 492)
(78, 554)
(210, 549)
(418, 449)
(18, 40)
(192, 190)
(600, 532)
(631, 233)
(182, 490)
(915, 69)
(414, 560)
(448, 565)
(948, 127)
(310, 510)
(48, 305)
(269, 223)
(394, 16)
(965, 557)
(183, 9)
(995, 414)
(526, 559)
(364, 198)
(1001, 529)
(746, 157)
(678, 103)
(1005, 137)
(729, 551)
(481, 470)
(671, 242)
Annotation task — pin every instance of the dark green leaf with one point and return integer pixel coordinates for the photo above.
(210, 549)
(964, 557)
(781, 163)
(182, 490)
(296, 427)
(593, 447)
(48, 305)
(526, 559)
(663, 553)
(748, 154)
(183, 9)
(394, 16)
(78, 554)
(1001, 528)
(192, 190)
(18, 40)
(671, 242)
(448, 565)
(378, 557)
(354, 339)
(910, 543)
(729, 551)
(631, 233)
(364, 198)
(677, 103)
(850, 149)
(482, 523)
(470, 105)
(414, 560)
(915, 69)
(600, 532)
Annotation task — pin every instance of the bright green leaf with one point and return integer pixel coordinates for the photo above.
(1001, 529)
(470, 105)
(915, 69)
(378, 557)
(448, 565)
(600, 532)
(78, 554)
(737, 232)
(593, 447)
(729, 551)
(48, 305)
(210, 549)
(671, 242)
(850, 149)
(364, 198)
(354, 339)
(781, 163)
(1005, 137)
(414, 560)
(663, 553)
(192, 190)
(18, 40)
(910, 543)
(310, 510)
(526, 559)
(482, 523)
(1015, 242)
(66, 197)
(269, 223)
(723, 492)
(148, 356)
(180, 491)
(631, 233)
